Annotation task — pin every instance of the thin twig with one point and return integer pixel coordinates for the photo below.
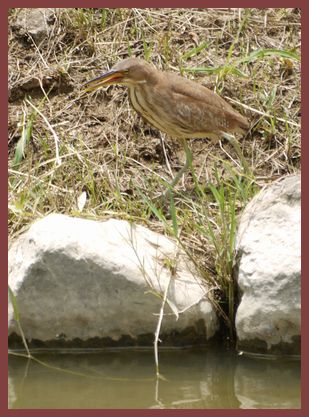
(58, 160)
(262, 113)
(22, 174)
(147, 168)
(157, 333)
(165, 155)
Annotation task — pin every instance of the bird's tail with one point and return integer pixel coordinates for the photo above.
(241, 124)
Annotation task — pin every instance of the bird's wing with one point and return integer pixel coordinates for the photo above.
(202, 108)
(196, 92)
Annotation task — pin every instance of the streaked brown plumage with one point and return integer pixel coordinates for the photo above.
(175, 105)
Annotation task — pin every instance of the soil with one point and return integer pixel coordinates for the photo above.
(81, 43)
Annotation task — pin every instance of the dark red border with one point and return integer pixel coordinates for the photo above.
(155, 3)
(4, 6)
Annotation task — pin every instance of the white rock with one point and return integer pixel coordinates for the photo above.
(269, 261)
(86, 279)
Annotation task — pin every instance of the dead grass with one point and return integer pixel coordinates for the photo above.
(118, 160)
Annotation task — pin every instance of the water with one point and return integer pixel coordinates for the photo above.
(199, 378)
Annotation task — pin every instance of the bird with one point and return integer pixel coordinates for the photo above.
(173, 104)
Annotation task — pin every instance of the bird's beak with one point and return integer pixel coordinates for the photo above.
(110, 77)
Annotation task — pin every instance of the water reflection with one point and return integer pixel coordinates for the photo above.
(197, 378)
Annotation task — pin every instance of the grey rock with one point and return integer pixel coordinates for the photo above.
(85, 283)
(268, 248)
(35, 22)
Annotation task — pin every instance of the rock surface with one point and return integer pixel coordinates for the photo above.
(269, 270)
(34, 22)
(82, 283)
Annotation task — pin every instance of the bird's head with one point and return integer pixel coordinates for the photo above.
(130, 72)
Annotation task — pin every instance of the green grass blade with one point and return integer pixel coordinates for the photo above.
(153, 208)
(23, 142)
(195, 51)
(262, 53)
(233, 67)
(17, 319)
(173, 214)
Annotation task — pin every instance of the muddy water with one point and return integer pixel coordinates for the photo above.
(197, 378)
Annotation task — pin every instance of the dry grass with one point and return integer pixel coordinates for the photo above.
(120, 162)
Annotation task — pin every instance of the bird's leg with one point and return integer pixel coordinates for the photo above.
(176, 179)
(233, 141)
(187, 164)
(165, 154)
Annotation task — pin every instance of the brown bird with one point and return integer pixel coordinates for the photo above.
(175, 105)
